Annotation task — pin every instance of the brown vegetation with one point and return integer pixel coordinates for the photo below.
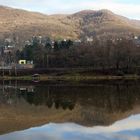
(25, 24)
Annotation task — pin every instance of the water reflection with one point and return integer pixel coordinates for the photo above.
(26, 105)
(127, 129)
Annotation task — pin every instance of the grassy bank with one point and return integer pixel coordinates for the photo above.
(73, 77)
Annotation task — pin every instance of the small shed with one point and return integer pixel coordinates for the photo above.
(36, 77)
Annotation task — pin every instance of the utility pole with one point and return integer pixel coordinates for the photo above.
(15, 70)
(2, 66)
(47, 61)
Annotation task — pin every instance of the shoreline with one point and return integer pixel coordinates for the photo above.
(73, 78)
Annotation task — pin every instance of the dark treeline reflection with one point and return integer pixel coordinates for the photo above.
(43, 95)
(112, 98)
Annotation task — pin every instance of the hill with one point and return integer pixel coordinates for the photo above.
(24, 24)
(105, 23)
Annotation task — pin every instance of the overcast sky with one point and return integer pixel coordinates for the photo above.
(128, 8)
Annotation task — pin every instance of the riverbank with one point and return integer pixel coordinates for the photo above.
(72, 77)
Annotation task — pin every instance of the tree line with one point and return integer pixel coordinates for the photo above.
(109, 54)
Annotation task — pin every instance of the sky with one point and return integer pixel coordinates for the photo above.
(128, 8)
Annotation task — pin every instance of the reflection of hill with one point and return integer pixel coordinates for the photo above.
(87, 105)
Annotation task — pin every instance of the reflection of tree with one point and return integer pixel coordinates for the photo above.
(90, 105)
(50, 99)
(49, 103)
(116, 98)
(57, 104)
(65, 104)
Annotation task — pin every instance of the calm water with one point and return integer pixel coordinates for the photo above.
(69, 112)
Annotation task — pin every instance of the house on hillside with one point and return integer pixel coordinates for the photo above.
(137, 40)
(8, 46)
(77, 42)
(25, 64)
(22, 62)
(89, 39)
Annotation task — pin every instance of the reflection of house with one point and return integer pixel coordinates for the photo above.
(26, 89)
(24, 64)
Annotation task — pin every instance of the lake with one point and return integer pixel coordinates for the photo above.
(69, 111)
